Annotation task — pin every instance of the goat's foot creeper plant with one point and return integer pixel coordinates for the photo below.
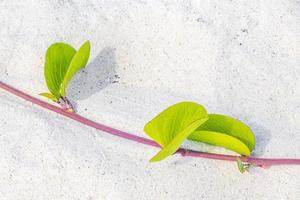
(61, 64)
(185, 120)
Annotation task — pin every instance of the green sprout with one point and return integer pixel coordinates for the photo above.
(243, 167)
(61, 64)
(188, 120)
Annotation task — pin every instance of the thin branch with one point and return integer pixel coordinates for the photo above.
(262, 162)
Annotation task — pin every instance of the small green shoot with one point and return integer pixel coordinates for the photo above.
(243, 167)
(61, 64)
(188, 120)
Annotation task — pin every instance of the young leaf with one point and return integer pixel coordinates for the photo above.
(173, 125)
(49, 96)
(58, 59)
(62, 63)
(230, 126)
(220, 139)
(177, 140)
(241, 166)
(78, 62)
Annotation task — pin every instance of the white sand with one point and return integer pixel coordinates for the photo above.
(239, 58)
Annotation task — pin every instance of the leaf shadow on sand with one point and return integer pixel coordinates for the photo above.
(97, 75)
(262, 138)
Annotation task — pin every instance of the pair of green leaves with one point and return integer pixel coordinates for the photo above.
(188, 120)
(62, 63)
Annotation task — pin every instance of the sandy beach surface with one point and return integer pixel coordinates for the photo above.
(239, 58)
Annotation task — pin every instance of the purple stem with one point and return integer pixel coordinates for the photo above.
(262, 162)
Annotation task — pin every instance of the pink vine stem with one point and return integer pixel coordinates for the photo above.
(262, 162)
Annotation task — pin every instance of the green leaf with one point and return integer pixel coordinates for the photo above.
(61, 64)
(220, 139)
(58, 59)
(49, 96)
(177, 140)
(173, 125)
(230, 126)
(78, 62)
